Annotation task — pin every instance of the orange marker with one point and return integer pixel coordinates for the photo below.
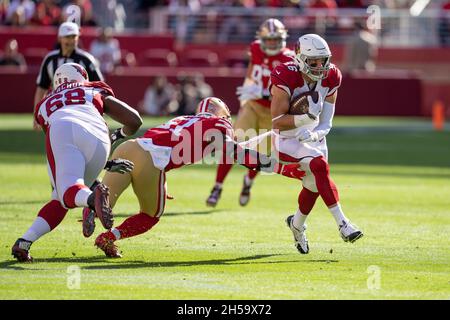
(438, 115)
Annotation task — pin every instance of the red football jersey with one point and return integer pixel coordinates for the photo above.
(262, 66)
(82, 99)
(189, 137)
(288, 78)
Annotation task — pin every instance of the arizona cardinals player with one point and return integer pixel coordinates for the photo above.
(179, 142)
(77, 145)
(267, 52)
(300, 139)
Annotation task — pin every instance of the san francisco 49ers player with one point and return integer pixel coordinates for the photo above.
(179, 142)
(300, 139)
(267, 52)
(78, 146)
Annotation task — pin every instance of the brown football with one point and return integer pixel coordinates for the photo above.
(300, 104)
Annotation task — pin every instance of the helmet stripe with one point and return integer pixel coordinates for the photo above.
(271, 26)
(205, 105)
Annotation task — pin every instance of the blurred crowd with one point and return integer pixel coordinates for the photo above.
(164, 98)
(114, 13)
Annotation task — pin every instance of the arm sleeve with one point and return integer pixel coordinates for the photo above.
(325, 120)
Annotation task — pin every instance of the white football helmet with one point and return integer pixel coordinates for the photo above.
(214, 106)
(308, 50)
(69, 72)
(272, 29)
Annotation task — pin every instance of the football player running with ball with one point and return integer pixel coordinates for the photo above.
(181, 141)
(301, 138)
(267, 52)
(78, 146)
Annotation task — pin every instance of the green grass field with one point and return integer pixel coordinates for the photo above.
(394, 182)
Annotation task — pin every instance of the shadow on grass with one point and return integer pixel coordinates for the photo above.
(15, 265)
(110, 264)
(213, 262)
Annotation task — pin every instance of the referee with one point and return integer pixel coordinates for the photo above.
(68, 35)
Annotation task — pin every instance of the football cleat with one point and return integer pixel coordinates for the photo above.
(349, 233)
(88, 222)
(101, 204)
(20, 250)
(214, 197)
(244, 197)
(301, 242)
(107, 246)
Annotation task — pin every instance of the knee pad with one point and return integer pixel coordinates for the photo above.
(319, 164)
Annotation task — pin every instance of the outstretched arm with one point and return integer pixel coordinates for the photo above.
(254, 160)
(124, 114)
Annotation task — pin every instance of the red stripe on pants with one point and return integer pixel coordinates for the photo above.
(50, 157)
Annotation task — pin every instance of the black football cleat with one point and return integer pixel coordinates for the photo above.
(20, 250)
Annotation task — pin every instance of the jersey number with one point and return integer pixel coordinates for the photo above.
(71, 97)
(176, 128)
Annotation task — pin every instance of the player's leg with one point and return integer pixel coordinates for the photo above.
(96, 152)
(306, 200)
(329, 193)
(49, 216)
(149, 185)
(247, 128)
(263, 123)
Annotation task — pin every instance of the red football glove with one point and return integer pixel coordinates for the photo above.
(290, 170)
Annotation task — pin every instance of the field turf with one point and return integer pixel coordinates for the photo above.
(394, 181)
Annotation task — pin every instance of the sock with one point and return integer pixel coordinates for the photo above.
(306, 200)
(299, 219)
(218, 185)
(326, 187)
(338, 214)
(81, 199)
(252, 174)
(71, 196)
(49, 217)
(222, 172)
(132, 226)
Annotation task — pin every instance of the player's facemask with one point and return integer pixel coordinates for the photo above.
(319, 67)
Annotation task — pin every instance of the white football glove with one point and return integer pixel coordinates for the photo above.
(315, 108)
(306, 135)
(249, 92)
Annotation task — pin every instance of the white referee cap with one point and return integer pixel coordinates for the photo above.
(68, 29)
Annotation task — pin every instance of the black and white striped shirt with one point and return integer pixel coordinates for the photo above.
(54, 59)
